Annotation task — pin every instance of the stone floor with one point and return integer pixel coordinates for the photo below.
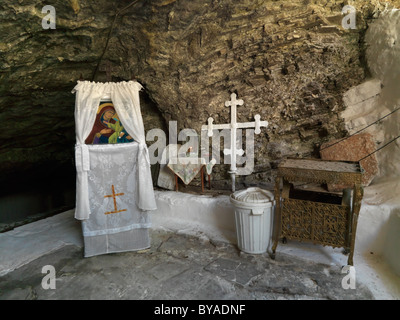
(187, 261)
(178, 267)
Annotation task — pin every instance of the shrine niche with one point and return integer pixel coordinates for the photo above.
(114, 186)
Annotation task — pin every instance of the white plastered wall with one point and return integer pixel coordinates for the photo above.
(379, 223)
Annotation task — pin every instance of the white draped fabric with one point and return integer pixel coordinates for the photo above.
(116, 223)
(125, 98)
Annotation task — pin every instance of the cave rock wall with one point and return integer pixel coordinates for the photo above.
(290, 61)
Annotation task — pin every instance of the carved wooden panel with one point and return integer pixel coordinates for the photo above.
(323, 223)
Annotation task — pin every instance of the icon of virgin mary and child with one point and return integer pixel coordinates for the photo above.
(107, 127)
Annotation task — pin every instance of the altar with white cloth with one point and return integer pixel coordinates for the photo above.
(187, 168)
(114, 189)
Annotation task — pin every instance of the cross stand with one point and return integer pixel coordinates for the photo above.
(233, 126)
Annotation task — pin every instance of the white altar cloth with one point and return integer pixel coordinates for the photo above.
(116, 223)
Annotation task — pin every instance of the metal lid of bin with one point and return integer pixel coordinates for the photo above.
(253, 196)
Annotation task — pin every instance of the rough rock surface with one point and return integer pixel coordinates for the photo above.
(289, 61)
(354, 148)
(179, 267)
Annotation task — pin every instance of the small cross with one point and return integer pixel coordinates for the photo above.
(108, 69)
(233, 103)
(113, 195)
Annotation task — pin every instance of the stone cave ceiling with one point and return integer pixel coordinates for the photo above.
(290, 61)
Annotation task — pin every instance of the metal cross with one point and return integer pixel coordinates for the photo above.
(233, 126)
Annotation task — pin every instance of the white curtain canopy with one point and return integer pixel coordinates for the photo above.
(125, 98)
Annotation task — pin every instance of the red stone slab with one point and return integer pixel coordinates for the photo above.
(353, 149)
